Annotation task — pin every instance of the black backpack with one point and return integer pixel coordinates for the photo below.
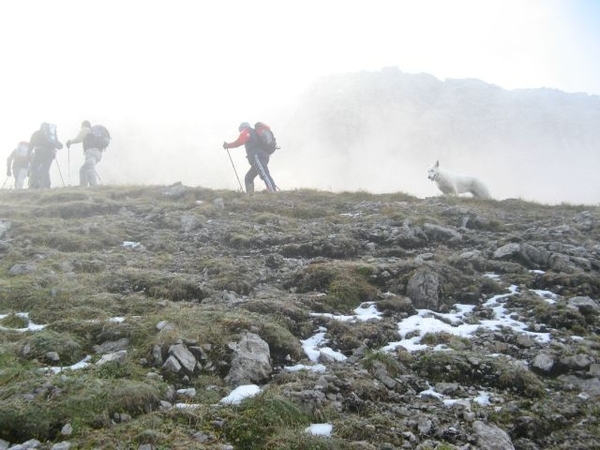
(266, 137)
(98, 138)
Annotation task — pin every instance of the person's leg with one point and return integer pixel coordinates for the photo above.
(44, 181)
(20, 175)
(249, 179)
(87, 172)
(262, 167)
(95, 157)
(36, 170)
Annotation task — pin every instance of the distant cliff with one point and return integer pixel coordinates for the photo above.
(380, 131)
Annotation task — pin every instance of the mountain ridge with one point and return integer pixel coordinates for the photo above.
(536, 144)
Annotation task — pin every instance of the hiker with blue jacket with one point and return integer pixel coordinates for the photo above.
(42, 148)
(256, 155)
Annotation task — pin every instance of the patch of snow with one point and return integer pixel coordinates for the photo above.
(320, 429)
(85, 362)
(317, 368)
(364, 312)
(550, 297)
(30, 325)
(240, 393)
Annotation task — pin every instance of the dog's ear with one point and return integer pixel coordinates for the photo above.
(437, 164)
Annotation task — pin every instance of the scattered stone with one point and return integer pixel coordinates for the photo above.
(422, 289)
(251, 361)
(490, 437)
(585, 305)
(543, 361)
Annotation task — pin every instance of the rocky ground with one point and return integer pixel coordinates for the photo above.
(131, 316)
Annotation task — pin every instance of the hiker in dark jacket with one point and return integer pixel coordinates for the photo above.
(18, 161)
(257, 157)
(42, 148)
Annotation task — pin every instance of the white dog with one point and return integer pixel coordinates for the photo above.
(454, 183)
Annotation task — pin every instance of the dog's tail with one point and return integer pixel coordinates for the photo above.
(481, 191)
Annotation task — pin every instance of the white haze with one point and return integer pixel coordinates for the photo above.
(172, 80)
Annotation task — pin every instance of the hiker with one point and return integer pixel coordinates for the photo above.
(257, 157)
(42, 150)
(18, 160)
(95, 140)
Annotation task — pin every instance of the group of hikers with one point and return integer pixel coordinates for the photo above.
(33, 159)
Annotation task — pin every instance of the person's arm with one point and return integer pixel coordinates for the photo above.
(241, 140)
(80, 137)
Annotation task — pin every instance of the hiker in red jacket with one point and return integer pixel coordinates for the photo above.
(257, 157)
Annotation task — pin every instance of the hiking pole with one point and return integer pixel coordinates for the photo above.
(59, 172)
(69, 164)
(99, 179)
(4, 184)
(236, 175)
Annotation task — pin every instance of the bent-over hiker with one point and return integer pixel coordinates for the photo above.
(257, 157)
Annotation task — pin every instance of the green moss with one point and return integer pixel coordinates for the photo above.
(14, 321)
(392, 366)
(258, 418)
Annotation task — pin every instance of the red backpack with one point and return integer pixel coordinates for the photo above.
(266, 137)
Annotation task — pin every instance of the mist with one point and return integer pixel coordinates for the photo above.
(173, 81)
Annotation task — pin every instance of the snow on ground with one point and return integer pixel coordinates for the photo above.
(240, 393)
(320, 429)
(77, 366)
(427, 321)
(30, 325)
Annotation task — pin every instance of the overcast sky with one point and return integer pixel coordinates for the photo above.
(186, 72)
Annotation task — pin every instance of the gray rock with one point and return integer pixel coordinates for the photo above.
(442, 233)
(4, 444)
(585, 305)
(21, 269)
(67, 430)
(490, 437)
(172, 365)
(424, 425)
(507, 251)
(589, 386)
(117, 357)
(52, 357)
(251, 361)
(576, 362)
(112, 346)
(422, 289)
(543, 361)
(32, 443)
(61, 446)
(184, 356)
(189, 223)
(176, 190)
